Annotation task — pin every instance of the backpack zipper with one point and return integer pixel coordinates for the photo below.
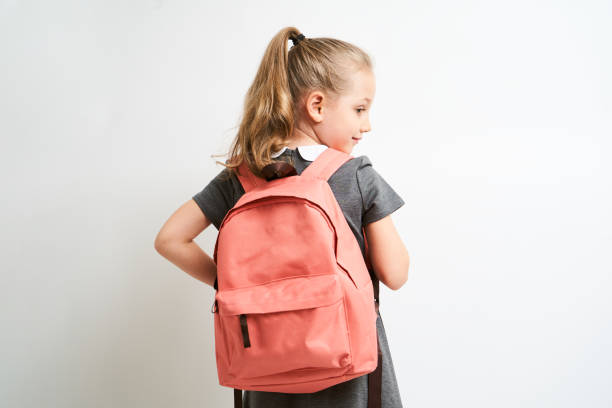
(246, 206)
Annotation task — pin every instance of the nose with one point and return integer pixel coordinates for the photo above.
(366, 126)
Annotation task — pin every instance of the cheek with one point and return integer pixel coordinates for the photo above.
(347, 122)
(339, 124)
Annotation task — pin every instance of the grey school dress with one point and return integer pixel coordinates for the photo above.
(364, 197)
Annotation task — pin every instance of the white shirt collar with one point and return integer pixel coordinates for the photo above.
(308, 152)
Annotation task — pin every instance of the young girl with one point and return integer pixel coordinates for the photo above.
(303, 100)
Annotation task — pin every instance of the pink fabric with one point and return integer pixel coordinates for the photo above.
(287, 259)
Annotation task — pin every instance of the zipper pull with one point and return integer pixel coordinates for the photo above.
(245, 331)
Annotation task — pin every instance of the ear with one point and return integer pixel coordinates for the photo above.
(314, 105)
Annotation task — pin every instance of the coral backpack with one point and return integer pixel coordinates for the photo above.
(295, 308)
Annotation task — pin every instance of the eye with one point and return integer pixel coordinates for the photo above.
(360, 109)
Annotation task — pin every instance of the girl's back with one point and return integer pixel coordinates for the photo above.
(364, 197)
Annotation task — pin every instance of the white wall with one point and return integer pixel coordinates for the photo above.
(492, 120)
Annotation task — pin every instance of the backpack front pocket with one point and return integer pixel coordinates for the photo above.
(291, 324)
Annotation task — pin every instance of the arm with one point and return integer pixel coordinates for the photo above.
(175, 242)
(388, 255)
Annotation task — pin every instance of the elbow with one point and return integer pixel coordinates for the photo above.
(160, 244)
(165, 244)
(158, 247)
(398, 281)
(399, 277)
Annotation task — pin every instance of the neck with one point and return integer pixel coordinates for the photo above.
(301, 138)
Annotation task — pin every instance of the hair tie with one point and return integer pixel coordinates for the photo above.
(296, 40)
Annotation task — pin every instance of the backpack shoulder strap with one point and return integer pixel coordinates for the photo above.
(246, 177)
(326, 164)
(322, 167)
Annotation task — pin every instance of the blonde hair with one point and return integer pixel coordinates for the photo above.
(283, 78)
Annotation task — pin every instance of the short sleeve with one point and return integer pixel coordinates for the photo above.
(217, 198)
(378, 197)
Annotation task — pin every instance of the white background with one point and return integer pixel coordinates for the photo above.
(491, 119)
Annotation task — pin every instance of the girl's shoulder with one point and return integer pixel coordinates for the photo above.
(219, 195)
(378, 197)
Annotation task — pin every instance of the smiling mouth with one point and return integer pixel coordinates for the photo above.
(356, 138)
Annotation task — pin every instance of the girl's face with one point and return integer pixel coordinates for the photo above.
(345, 119)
